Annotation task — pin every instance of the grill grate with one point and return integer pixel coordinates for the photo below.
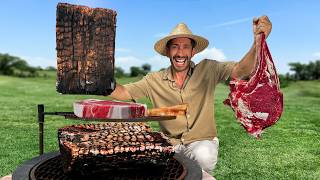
(51, 169)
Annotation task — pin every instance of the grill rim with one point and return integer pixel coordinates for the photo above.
(24, 171)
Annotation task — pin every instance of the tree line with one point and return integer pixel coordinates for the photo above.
(134, 71)
(309, 71)
(15, 66)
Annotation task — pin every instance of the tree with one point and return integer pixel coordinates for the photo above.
(6, 64)
(297, 68)
(317, 69)
(143, 70)
(51, 68)
(314, 69)
(309, 71)
(146, 68)
(136, 71)
(14, 66)
(119, 72)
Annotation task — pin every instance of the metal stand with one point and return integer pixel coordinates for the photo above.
(70, 115)
(41, 115)
(41, 123)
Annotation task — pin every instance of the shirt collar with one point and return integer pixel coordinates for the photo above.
(167, 75)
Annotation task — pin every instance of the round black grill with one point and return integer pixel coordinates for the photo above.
(49, 167)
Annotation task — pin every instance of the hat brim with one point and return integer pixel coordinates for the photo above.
(201, 43)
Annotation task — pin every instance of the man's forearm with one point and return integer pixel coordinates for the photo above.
(247, 64)
(120, 93)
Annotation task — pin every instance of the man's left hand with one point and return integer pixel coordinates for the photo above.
(261, 25)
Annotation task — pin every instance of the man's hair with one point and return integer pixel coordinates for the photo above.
(193, 43)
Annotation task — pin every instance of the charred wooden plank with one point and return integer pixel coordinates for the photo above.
(85, 42)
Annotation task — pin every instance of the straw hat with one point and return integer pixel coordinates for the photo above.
(181, 30)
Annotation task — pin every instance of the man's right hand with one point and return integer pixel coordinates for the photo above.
(261, 25)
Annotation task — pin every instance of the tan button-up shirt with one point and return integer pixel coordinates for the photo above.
(197, 91)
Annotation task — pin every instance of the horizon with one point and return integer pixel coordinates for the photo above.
(29, 29)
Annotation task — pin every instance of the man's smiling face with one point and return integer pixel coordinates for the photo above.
(180, 51)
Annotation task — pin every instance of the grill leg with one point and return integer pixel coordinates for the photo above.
(41, 123)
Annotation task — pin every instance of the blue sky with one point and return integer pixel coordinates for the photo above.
(27, 29)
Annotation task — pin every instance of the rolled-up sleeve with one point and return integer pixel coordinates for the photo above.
(224, 70)
(138, 89)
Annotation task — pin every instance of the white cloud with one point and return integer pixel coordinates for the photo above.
(316, 54)
(209, 53)
(39, 61)
(125, 62)
(157, 62)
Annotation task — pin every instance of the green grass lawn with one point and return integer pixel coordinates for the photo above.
(288, 150)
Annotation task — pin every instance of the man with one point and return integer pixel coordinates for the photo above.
(195, 134)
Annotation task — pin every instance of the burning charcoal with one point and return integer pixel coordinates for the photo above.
(103, 151)
(142, 148)
(151, 146)
(110, 151)
(133, 138)
(110, 143)
(94, 151)
(133, 149)
(109, 137)
(140, 138)
(148, 137)
(127, 149)
(121, 149)
(120, 139)
(116, 149)
(127, 138)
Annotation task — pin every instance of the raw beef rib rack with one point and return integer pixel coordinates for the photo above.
(258, 102)
(88, 147)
